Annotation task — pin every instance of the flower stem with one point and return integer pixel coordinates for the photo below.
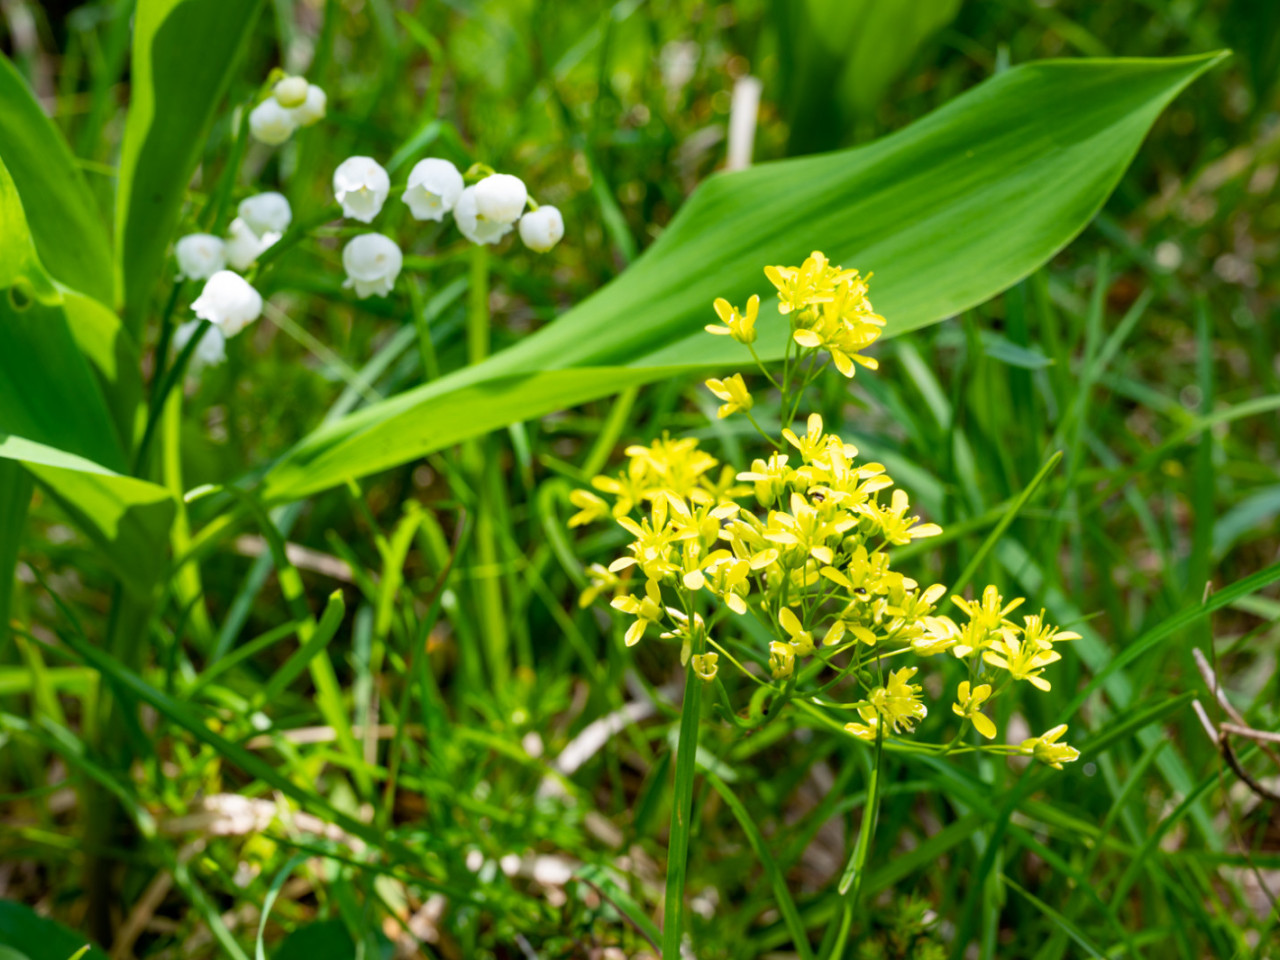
(856, 871)
(681, 813)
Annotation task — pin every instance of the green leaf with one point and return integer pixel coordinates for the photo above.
(27, 933)
(69, 235)
(48, 392)
(128, 519)
(947, 213)
(184, 54)
(15, 496)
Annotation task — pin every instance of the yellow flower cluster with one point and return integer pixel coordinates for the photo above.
(802, 542)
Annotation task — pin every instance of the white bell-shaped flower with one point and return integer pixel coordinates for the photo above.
(244, 245)
(210, 351)
(474, 227)
(313, 108)
(434, 188)
(361, 186)
(271, 123)
(542, 229)
(266, 213)
(501, 198)
(229, 302)
(291, 92)
(200, 256)
(372, 262)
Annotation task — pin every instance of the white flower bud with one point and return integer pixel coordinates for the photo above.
(291, 92)
(266, 213)
(271, 123)
(210, 351)
(313, 108)
(541, 229)
(472, 225)
(372, 262)
(200, 256)
(501, 198)
(434, 188)
(244, 246)
(361, 186)
(229, 302)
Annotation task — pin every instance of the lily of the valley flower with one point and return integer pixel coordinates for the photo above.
(305, 102)
(733, 391)
(361, 185)
(271, 123)
(229, 302)
(434, 188)
(372, 262)
(291, 92)
(209, 352)
(244, 245)
(542, 229)
(501, 198)
(474, 227)
(200, 256)
(969, 705)
(266, 213)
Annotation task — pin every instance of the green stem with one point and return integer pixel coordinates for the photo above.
(856, 871)
(681, 813)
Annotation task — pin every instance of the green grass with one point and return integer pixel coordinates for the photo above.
(1100, 438)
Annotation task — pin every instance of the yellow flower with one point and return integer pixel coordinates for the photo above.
(814, 281)
(938, 635)
(705, 665)
(601, 579)
(782, 660)
(867, 729)
(813, 443)
(770, 478)
(898, 701)
(801, 639)
(733, 391)
(740, 326)
(1038, 633)
(985, 617)
(895, 526)
(969, 705)
(1046, 749)
(1024, 661)
(646, 610)
(590, 508)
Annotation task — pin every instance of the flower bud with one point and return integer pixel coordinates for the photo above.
(361, 186)
(541, 229)
(244, 246)
(271, 123)
(372, 262)
(313, 107)
(200, 256)
(229, 302)
(501, 198)
(474, 227)
(210, 351)
(434, 188)
(291, 92)
(266, 213)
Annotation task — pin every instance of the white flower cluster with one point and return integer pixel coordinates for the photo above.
(485, 213)
(293, 103)
(228, 301)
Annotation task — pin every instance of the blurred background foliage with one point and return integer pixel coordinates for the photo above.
(1162, 314)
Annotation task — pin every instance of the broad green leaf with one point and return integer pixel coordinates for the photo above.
(27, 933)
(128, 518)
(947, 213)
(184, 54)
(113, 355)
(48, 392)
(68, 233)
